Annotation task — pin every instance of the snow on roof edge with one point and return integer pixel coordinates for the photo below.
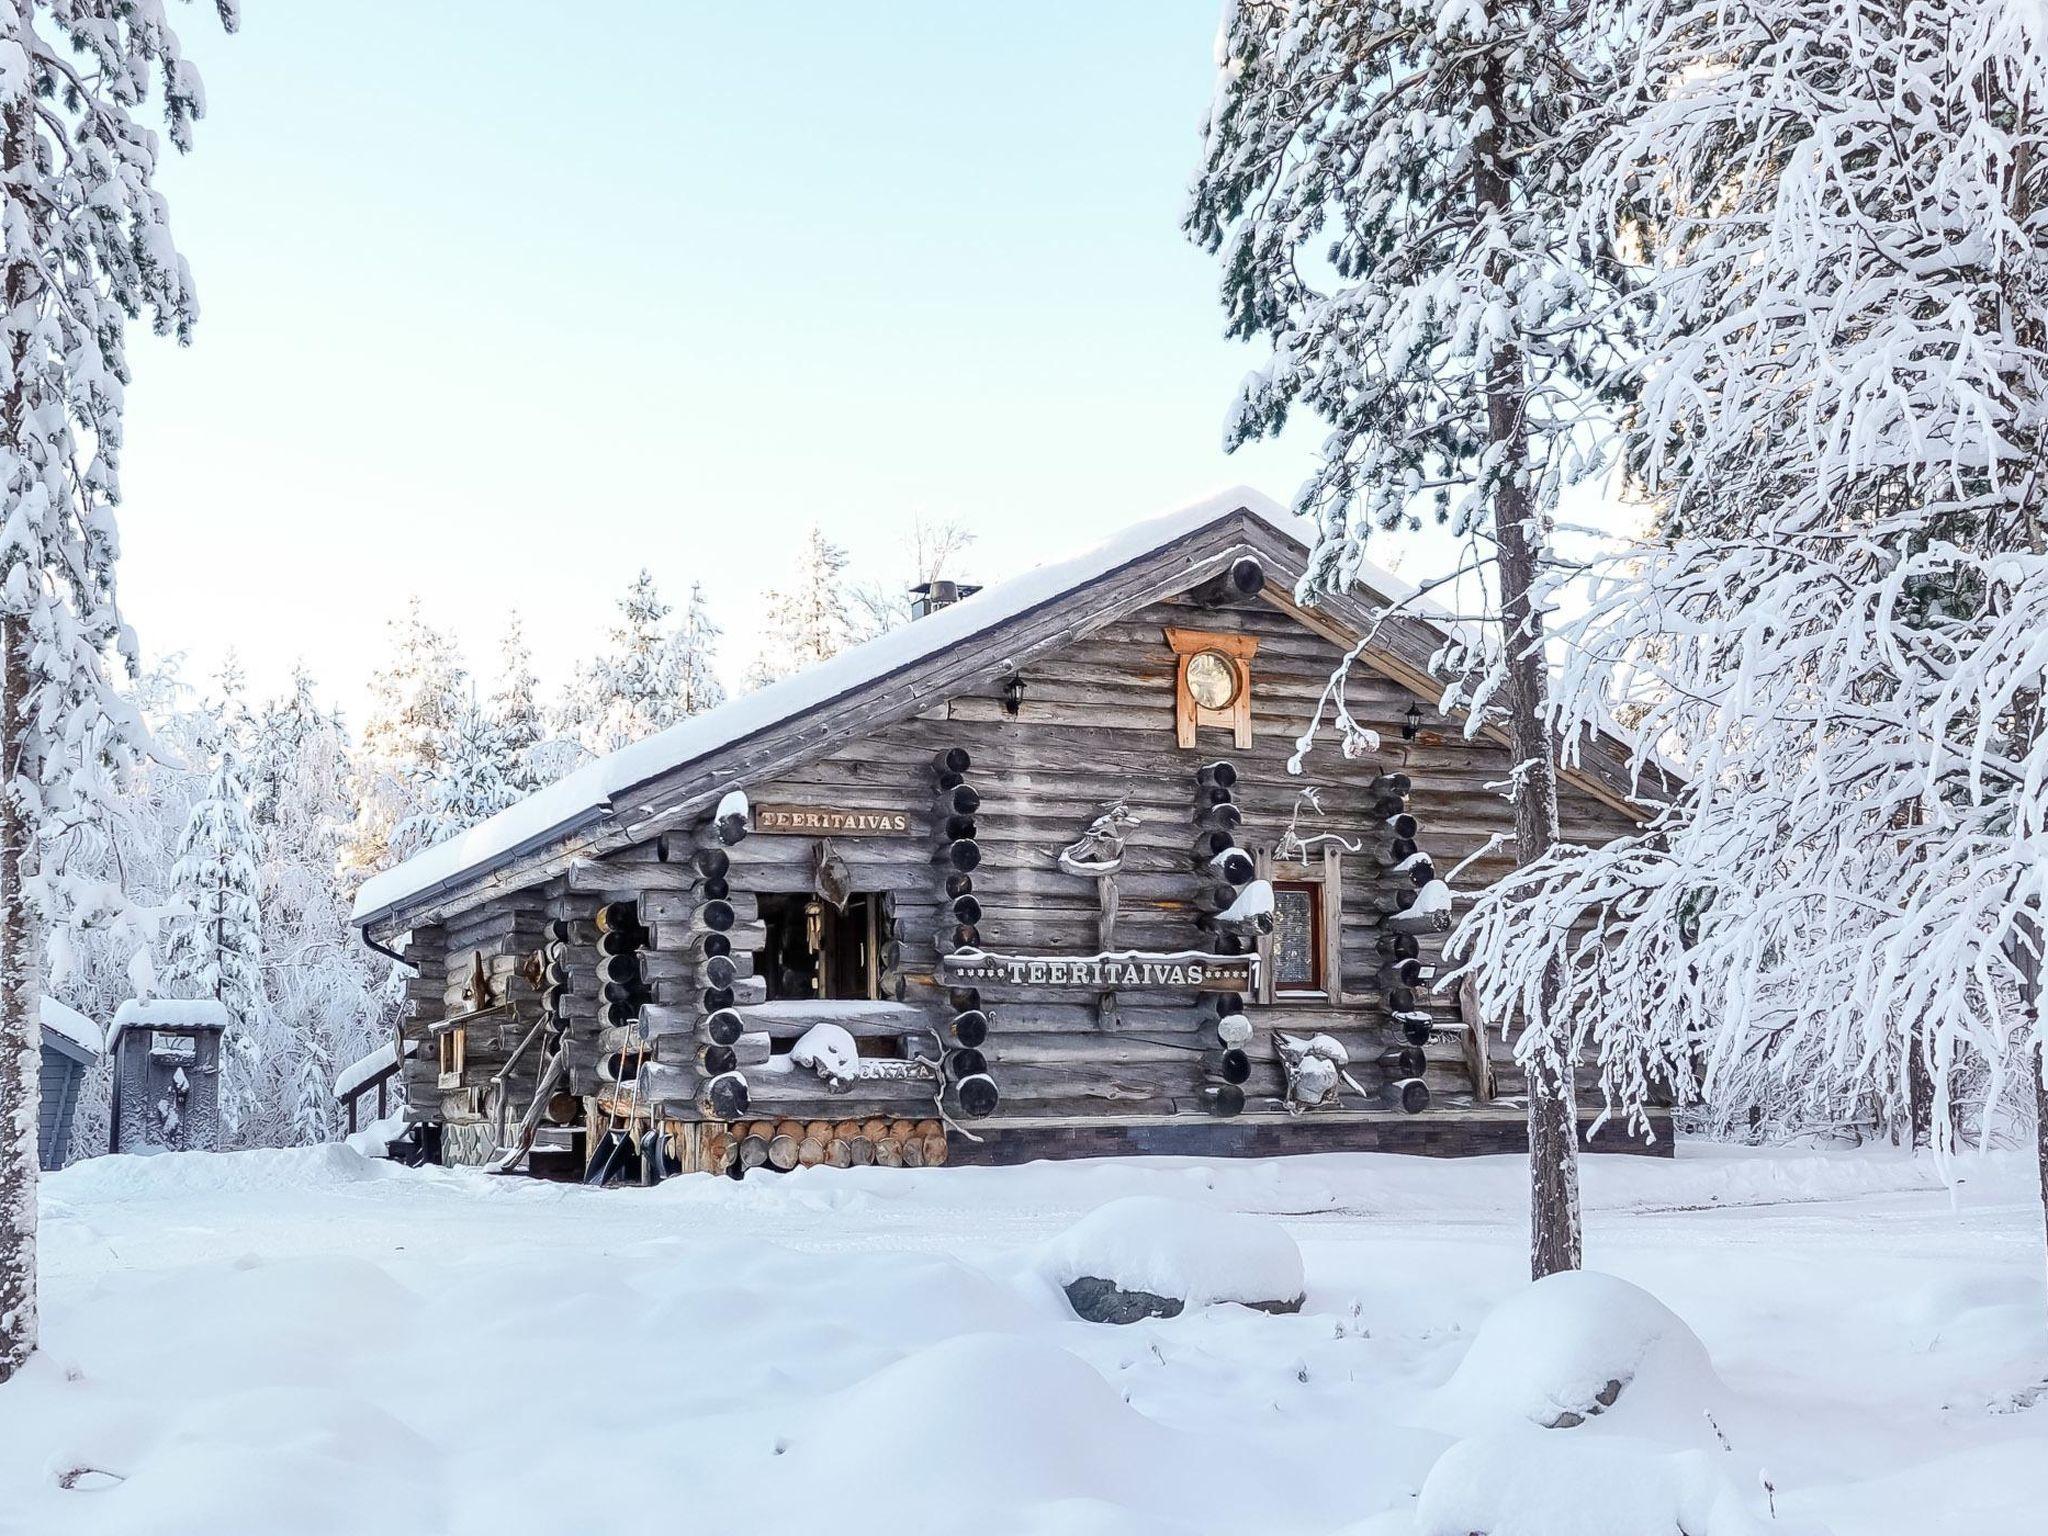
(168, 1013)
(62, 1019)
(586, 795)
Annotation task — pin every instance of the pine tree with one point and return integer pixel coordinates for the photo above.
(810, 619)
(215, 948)
(1390, 187)
(1836, 636)
(417, 697)
(87, 245)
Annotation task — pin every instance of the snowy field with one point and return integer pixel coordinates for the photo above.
(309, 1342)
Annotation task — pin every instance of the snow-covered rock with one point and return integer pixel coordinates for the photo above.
(1146, 1256)
(1524, 1484)
(1573, 1346)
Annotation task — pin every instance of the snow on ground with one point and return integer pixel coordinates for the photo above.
(310, 1342)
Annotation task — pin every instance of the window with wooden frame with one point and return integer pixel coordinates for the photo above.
(454, 1044)
(1303, 956)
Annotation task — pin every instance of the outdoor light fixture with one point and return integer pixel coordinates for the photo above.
(1413, 724)
(1013, 695)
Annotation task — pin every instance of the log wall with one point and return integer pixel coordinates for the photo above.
(1096, 725)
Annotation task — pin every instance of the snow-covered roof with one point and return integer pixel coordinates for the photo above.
(585, 795)
(63, 1020)
(360, 1071)
(168, 1013)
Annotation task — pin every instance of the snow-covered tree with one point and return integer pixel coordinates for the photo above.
(811, 618)
(515, 709)
(326, 998)
(467, 784)
(650, 673)
(696, 640)
(215, 947)
(1390, 187)
(87, 245)
(417, 696)
(1838, 636)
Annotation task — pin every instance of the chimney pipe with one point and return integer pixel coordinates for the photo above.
(929, 597)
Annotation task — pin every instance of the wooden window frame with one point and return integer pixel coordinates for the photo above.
(453, 1044)
(1326, 873)
(1236, 716)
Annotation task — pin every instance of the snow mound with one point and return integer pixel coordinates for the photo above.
(152, 1177)
(1021, 1421)
(1523, 1484)
(1195, 1254)
(1573, 1346)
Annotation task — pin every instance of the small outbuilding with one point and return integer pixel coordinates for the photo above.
(72, 1045)
(167, 1074)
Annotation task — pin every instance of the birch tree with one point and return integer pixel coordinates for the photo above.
(87, 246)
(1389, 186)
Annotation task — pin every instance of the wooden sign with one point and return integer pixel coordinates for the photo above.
(829, 821)
(1132, 968)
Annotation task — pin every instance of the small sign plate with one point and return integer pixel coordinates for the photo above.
(829, 821)
(1136, 970)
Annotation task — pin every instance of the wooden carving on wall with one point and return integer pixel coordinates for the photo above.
(1212, 683)
(831, 880)
(1100, 850)
(477, 993)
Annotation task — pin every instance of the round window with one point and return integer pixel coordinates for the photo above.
(1212, 679)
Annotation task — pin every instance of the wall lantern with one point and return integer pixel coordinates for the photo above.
(1413, 723)
(1013, 695)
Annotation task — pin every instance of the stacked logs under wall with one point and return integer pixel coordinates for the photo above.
(1224, 871)
(780, 1145)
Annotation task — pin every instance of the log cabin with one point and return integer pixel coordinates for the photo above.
(1033, 876)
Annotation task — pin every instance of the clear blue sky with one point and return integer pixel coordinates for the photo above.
(502, 301)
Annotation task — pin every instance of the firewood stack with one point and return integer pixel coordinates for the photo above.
(968, 1081)
(1223, 870)
(1404, 870)
(780, 1145)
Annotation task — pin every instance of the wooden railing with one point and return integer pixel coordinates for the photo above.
(378, 1083)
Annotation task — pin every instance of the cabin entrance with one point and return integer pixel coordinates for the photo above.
(817, 950)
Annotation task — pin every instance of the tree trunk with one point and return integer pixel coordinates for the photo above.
(1554, 1235)
(20, 1036)
(20, 1047)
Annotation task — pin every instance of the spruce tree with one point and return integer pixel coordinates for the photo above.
(87, 246)
(649, 674)
(467, 784)
(417, 696)
(810, 619)
(515, 709)
(215, 948)
(1390, 188)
